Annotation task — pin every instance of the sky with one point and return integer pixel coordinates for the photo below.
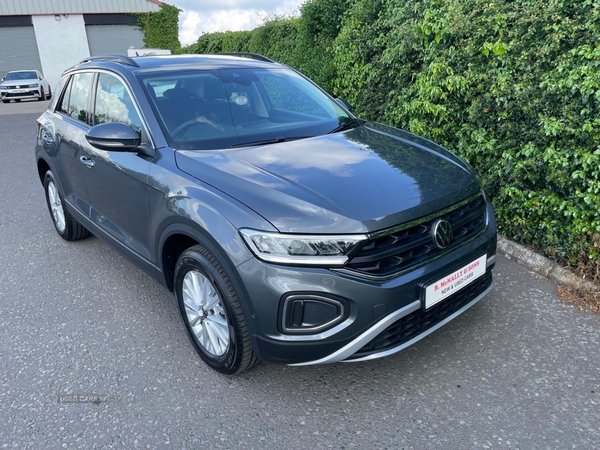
(227, 15)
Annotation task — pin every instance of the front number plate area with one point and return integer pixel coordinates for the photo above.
(450, 284)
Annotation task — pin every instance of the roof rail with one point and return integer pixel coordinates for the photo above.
(255, 56)
(116, 58)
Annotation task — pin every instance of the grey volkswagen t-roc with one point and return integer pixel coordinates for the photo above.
(289, 230)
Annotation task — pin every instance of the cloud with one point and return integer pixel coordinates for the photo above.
(266, 5)
(228, 15)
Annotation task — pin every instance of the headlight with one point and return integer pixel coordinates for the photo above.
(301, 249)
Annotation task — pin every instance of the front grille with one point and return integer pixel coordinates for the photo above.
(400, 251)
(415, 323)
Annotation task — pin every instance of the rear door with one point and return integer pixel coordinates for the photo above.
(71, 123)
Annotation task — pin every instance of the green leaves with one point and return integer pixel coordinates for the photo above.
(161, 28)
(511, 86)
(498, 48)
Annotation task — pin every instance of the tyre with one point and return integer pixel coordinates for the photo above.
(5, 101)
(66, 225)
(210, 309)
(17, 100)
(49, 96)
(42, 95)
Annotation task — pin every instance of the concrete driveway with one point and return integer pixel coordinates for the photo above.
(520, 370)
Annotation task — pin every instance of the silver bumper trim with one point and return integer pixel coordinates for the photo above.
(349, 349)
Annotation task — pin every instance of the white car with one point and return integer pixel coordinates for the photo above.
(19, 84)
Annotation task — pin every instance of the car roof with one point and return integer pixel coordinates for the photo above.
(146, 64)
(22, 70)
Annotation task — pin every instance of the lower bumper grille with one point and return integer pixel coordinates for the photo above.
(22, 94)
(417, 322)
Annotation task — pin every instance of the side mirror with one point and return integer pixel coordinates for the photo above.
(3, 78)
(113, 136)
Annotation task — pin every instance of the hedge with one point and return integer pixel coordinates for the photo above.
(512, 86)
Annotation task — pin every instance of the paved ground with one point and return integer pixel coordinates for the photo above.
(519, 370)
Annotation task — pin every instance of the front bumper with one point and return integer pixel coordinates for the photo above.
(384, 316)
(13, 94)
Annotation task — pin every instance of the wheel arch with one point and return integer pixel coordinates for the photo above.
(176, 237)
(42, 167)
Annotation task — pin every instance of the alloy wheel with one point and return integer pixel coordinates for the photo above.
(58, 213)
(205, 313)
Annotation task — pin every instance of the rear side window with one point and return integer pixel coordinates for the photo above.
(75, 100)
(55, 98)
(63, 107)
(113, 103)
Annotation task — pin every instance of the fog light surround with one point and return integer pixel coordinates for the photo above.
(311, 313)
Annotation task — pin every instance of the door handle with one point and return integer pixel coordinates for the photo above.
(89, 162)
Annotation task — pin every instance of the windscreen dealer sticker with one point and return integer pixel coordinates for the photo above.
(444, 287)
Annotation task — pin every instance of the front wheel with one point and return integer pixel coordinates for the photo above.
(211, 311)
(66, 226)
(49, 96)
(5, 101)
(42, 95)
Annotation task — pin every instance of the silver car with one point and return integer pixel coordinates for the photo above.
(19, 84)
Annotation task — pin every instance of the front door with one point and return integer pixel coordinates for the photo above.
(117, 182)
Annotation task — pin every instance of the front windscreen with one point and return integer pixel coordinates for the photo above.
(214, 109)
(15, 76)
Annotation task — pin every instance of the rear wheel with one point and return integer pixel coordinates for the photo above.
(42, 95)
(66, 225)
(210, 308)
(17, 100)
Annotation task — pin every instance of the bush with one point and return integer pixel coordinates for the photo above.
(511, 86)
(161, 28)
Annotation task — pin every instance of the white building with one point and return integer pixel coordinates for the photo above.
(52, 35)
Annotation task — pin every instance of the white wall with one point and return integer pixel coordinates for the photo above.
(61, 43)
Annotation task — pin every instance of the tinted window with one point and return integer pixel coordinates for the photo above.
(285, 95)
(63, 107)
(80, 86)
(211, 109)
(113, 103)
(55, 98)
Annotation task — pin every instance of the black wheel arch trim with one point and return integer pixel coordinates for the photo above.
(194, 231)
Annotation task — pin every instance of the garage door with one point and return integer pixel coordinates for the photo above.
(19, 49)
(113, 38)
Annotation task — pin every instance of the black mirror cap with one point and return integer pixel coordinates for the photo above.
(113, 136)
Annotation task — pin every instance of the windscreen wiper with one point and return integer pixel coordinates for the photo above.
(345, 126)
(269, 141)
